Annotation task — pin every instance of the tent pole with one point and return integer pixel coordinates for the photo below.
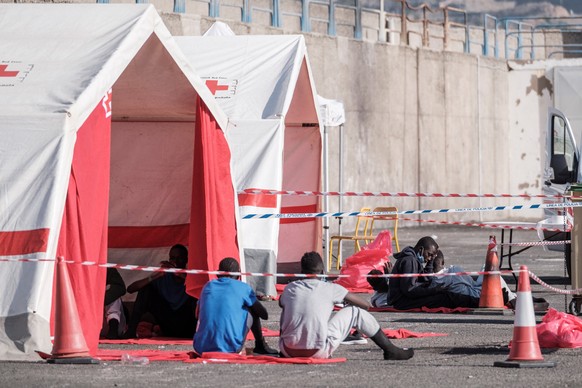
(326, 188)
(341, 174)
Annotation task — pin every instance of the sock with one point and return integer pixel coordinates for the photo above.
(261, 347)
(391, 351)
(113, 329)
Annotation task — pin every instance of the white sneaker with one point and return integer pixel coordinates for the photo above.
(355, 339)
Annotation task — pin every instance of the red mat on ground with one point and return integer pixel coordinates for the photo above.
(391, 333)
(229, 358)
(403, 333)
(443, 310)
(151, 354)
(174, 341)
(207, 358)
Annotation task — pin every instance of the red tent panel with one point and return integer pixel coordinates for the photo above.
(212, 219)
(83, 235)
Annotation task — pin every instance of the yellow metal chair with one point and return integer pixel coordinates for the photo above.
(362, 226)
(390, 218)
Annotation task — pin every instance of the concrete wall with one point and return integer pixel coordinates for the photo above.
(417, 121)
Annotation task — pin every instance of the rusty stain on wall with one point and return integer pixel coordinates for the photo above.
(525, 185)
(539, 84)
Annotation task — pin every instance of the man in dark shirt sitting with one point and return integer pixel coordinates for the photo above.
(164, 295)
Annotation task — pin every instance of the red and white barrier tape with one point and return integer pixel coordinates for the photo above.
(389, 194)
(555, 205)
(488, 225)
(297, 275)
(535, 243)
(577, 291)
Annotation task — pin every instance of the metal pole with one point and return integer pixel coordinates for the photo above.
(341, 174)
(246, 12)
(403, 32)
(305, 22)
(358, 27)
(331, 25)
(179, 6)
(276, 18)
(382, 34)
(326, 188)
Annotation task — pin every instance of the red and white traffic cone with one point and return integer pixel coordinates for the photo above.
(69, 345)
(491, 299)
(525, 348)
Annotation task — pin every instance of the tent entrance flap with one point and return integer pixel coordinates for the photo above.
(83, 235)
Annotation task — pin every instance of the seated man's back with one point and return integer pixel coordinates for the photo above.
(227, 310)
(223, 315)
(308, 305)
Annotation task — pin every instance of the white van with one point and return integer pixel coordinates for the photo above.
(561, 171)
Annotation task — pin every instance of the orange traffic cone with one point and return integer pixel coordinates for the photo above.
(525, 348)
(69, 345)
(491, 293)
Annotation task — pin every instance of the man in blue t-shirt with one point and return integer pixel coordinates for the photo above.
(227, 309)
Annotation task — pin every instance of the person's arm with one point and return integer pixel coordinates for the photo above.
(115, 287)
(412, 287)
(139, 284)
(355, 300)
(258, 310)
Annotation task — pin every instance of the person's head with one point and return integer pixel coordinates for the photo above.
(229, 264)
(439, 261)
(377, 284)
(311, 263)
(427, 248)
(179, 255)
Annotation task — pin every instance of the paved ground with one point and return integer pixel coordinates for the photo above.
(464, 357)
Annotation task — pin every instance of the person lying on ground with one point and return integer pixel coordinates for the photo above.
(227, 309)
(414, 292)
(308, 328)
(465, 284)
(163, 295)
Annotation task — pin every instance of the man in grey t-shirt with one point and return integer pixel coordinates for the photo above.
(307, 326)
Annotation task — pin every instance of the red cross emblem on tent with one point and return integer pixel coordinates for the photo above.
(214, 87)
(6, 73)
(106, 103)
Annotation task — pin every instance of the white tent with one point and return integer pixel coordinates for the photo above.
(111, 148)
(265, 87)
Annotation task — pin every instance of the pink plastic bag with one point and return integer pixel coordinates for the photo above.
(372, 256)
(559, 330)
(382, 241)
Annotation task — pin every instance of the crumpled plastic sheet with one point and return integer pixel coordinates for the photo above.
(559, 330)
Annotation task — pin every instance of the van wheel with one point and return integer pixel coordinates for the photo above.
(574, 306)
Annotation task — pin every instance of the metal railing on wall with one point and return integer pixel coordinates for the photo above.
(399, 22)
(531, 37)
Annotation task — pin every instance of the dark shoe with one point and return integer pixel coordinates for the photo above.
(113, 332)
(263, 349)
(540, 304)
(391, 351)
(354, 339)
(401, 354)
